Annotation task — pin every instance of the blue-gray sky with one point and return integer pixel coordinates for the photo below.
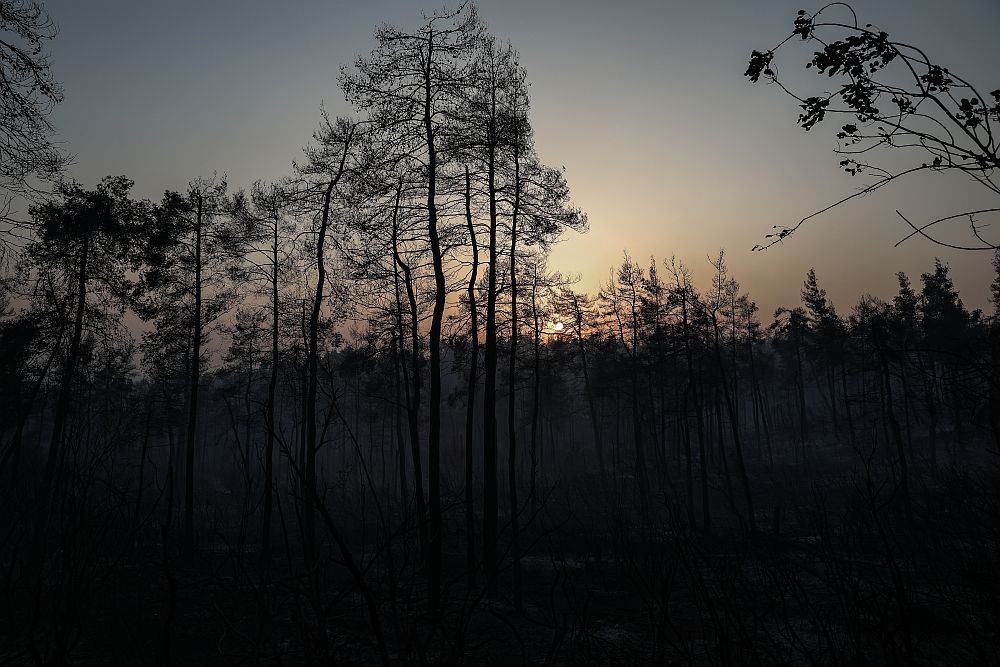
(666, 146)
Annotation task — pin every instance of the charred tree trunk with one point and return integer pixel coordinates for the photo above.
(412, 401)
(693, 389)
(470, 408)
(897, 437)
(310, 493)
(930, 398)
(535, 391)
(434, 348)
(847, 405)
(515, 529)
(490, 501)
(735, 429)
(688, 462)
(591, 404)
(269, 425)
(61, 413)
(800, 387)
(195, 381)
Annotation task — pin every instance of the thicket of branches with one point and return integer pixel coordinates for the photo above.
(903, 112)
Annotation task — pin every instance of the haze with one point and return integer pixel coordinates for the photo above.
(666, 146)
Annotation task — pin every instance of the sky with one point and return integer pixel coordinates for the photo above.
(666, 146)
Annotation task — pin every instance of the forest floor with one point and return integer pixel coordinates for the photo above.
(829, 577)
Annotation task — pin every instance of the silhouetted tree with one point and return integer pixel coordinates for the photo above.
(406, 86)
(724, 291)
(944, 323)
(790, 329)
(622, 299)
(491, 104)
(263, 240)
(578, 318)
(88, 236)
(872, 318)
(326, 164)
(905, 336)
(186, 281)
(470, 408)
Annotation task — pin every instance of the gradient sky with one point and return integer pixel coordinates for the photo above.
(666, 146)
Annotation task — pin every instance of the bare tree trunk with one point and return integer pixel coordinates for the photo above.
(515, 530)
(14, 451)
(399, 379)
(641, 476)
(470, 408)
(65, 391)
(688, 464)
(54, 458)
(434, 345)
(847, 405)
(693, 389)
(591, 404)
(931, 402)
(831, 383)
(309, 493)
(265, 539)
(195, 382)
(993, 401)
(412, 403)
(735, 429)
(141, 482)
(897, 438)
(490, 501)
(536, 391)
(904, 381)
